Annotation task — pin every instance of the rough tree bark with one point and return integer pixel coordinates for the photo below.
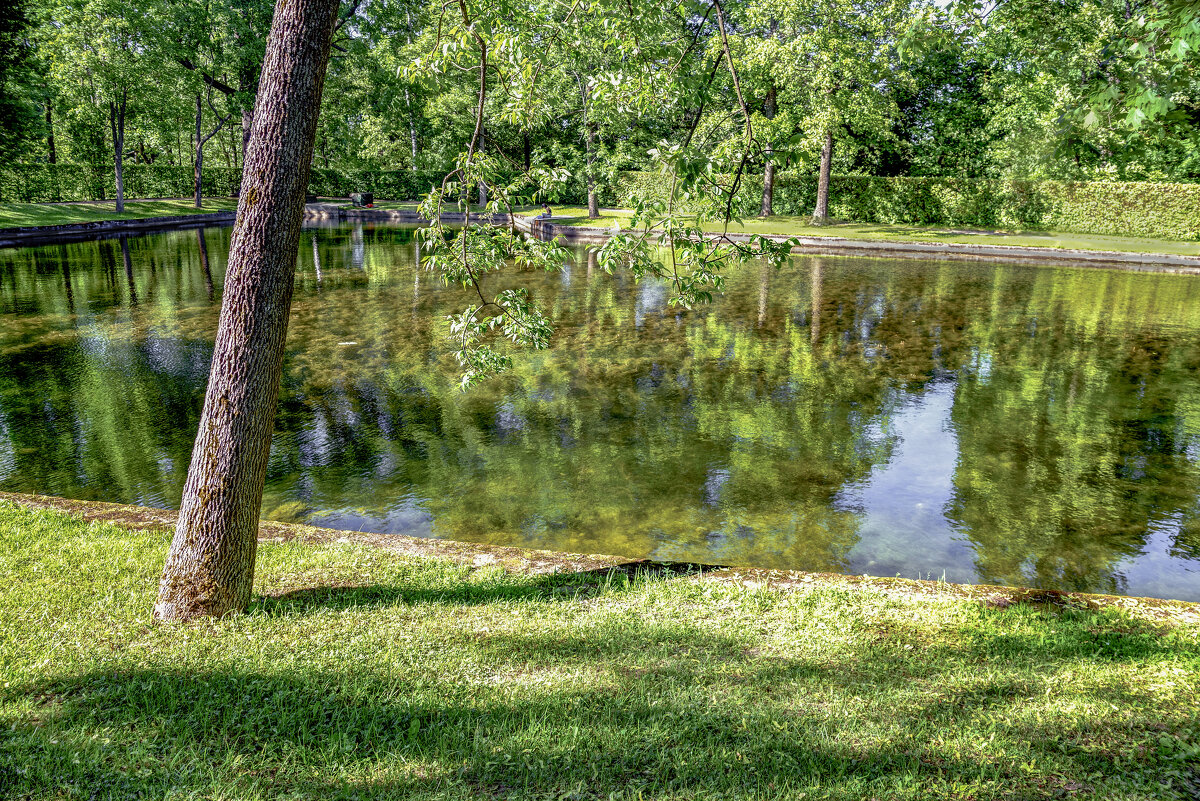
(821, 213)
(210, 567)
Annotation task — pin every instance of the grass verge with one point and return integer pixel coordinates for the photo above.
(361, 673)
(20, 215)
(800, 226)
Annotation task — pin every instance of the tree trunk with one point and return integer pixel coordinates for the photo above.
(483, 192)
(525, 145)
(768, 195)
(199, 160)
(51, 153)
(593, 204)
(247, 125)
(412, 128)
(589, 140)
(210, 567)
(821, 213)
(116, 122)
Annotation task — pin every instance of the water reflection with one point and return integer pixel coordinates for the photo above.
(985, 423)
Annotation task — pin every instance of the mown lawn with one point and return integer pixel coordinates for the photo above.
(17, 215)
(359, 673)
(800, 226)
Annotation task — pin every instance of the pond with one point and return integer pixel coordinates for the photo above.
(975, 422)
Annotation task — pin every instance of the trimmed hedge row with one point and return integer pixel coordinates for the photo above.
(1157, 210)
(52, 183)
(384, 184)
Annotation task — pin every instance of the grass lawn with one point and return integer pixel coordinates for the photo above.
(800, 226)
(360, 673)
(17, 215)
(396, 205)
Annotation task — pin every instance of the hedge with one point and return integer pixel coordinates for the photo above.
(1156, 210)
(42, 183)
(49, 183)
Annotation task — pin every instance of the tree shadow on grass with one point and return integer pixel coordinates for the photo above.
(660, 708)
(547, 586)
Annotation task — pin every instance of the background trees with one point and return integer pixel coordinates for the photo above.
(1082, 89)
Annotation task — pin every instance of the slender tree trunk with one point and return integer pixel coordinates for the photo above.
(589, 142)
(768, 195)
(412, 116)
(412, 129)
(247, 124)
(116, 122)
(525, 143)
(821, 213)
(201, 141)
(593, 203)
(210, 567)
(197, 179)
(51, 153)
(483, 193)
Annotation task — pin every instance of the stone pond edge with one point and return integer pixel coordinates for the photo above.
(535, 562)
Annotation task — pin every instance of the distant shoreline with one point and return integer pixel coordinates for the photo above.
(574, 234)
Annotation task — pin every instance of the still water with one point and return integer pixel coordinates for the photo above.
(978, 422)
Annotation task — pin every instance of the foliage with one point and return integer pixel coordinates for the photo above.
(1165, 211)
(53, 183)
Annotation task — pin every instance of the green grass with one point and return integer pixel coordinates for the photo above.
(18, 215)
(800, 226)
(358, 673)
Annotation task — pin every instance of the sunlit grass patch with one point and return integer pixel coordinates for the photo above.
(361, 673)
(18, 215)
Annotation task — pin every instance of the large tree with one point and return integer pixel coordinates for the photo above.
(210, 567)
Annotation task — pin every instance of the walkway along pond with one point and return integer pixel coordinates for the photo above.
(983, 422)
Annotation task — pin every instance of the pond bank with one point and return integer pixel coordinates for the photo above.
(43, 234)
(594, 235)
(534, 562)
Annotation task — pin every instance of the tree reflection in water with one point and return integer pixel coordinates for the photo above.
(995, 423)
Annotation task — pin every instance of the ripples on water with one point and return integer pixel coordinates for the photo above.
(991, 423)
